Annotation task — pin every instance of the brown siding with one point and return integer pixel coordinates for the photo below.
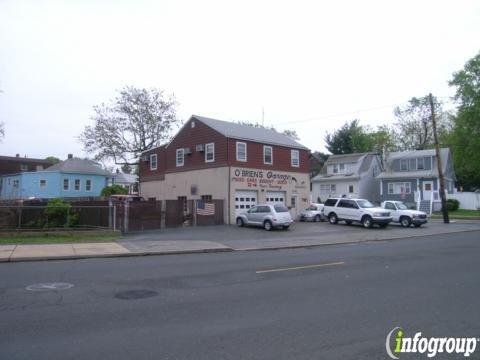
(281, 157)
(13, 165)
(189, 137)
(149, 175)
(225, 154)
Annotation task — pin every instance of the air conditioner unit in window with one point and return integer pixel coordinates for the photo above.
(187, 151)
(200, 148)
(144, 158)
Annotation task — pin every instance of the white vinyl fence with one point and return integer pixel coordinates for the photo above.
(468, 200)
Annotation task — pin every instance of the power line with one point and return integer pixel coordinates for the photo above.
(353, 112)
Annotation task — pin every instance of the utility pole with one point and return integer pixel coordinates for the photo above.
(443, 197)
(263, 116)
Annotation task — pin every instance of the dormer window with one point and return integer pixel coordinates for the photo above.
(421, 163)
(339, 168)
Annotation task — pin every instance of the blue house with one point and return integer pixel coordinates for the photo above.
(412, 177)
(72, 178)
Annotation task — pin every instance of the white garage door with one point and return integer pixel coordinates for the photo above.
(244, 200)
(275, 197)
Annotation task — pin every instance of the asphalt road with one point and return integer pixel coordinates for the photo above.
(233, 306)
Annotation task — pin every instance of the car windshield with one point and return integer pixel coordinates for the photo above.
(280, 208)
(365, 204)
(401, 206)
(312, 207)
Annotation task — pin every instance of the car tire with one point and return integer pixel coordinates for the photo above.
(367, 222)
(240, 222)
(405, 221)
(317, 218)
(267, 225)
(332, 218)
(348, 222)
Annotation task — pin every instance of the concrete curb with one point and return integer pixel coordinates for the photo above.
(218, 250)
(99, 256)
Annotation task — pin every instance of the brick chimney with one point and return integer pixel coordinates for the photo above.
(70, 156)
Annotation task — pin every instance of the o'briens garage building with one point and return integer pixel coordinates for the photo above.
(240, 164)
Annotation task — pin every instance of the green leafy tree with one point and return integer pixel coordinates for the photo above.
(114, 189)
(136, 121)
(52, 160)
(465, 138)
(350, 138)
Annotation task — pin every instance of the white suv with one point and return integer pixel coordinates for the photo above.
(358, 210)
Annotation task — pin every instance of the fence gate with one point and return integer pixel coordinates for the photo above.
(137, 216)
(179, 212)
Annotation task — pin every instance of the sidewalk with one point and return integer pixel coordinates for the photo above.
(11, 253)
(225, 238)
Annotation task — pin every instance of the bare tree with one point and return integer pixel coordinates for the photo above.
(413, 126)
(137, 120)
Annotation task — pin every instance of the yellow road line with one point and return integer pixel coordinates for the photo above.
(300, 267)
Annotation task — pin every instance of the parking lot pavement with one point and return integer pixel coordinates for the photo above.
(299, 234)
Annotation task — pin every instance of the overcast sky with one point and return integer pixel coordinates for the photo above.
(302, 61)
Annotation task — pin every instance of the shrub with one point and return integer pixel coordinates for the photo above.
(453, 204)
(57, 213)
(113, 190)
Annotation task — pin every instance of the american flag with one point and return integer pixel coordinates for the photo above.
(204, 208)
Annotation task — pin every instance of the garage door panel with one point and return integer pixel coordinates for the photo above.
(244, 200)
(275, 197)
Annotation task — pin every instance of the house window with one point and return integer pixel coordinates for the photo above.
(210, 152)
(153, 162)
(295, 158)
(16, 183)
(420, 163)
(180, 157)
(267, 155)
(338, 168)
(350, 189)
(404, 165)
(23, 167)
(88, 185)
(328, 189)
(192, 125)
(206, 198)
(77, 184)
(43, 183)
(241, 151)
(399, 188)
(66, 184)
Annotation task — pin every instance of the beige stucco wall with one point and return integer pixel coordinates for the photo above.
(213, 181)
(219, 182)
(263, 181)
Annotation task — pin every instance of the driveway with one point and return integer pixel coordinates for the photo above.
(299, 234)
